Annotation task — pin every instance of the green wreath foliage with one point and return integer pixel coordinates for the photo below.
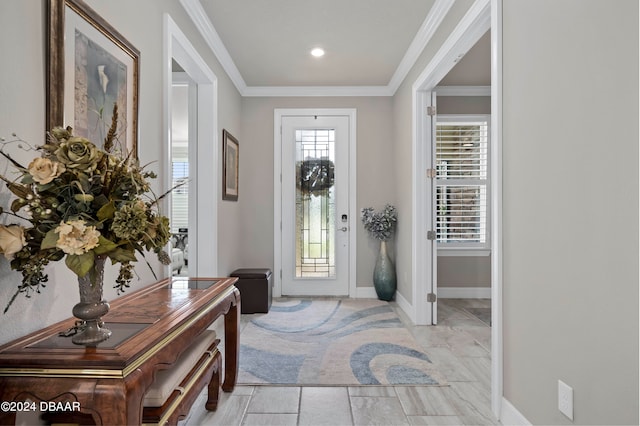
(314, 176)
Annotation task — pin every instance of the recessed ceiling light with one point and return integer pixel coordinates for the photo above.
(317, 52)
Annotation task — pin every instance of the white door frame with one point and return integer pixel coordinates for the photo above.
(482, 15)
(277, 189)
(203, 210)
(471, 27)
(497, 395)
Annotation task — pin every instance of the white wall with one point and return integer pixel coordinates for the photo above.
(22, 110)
(570, 176)
(22, 100)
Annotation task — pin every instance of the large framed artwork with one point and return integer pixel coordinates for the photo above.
(91, 68)
(230, 160)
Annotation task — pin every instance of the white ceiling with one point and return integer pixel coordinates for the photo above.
(270, 41)
(370, 44)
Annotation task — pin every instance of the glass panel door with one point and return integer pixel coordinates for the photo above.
(315, 205)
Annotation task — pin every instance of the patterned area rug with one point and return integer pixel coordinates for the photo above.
(323, 342)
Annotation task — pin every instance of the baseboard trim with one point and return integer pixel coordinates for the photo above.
(366, 293)
(464, 292)
(406, 307)
(509, 415)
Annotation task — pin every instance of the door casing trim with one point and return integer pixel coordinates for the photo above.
(278, 114)
(177, 46)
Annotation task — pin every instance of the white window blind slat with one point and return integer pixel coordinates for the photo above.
(462, 171)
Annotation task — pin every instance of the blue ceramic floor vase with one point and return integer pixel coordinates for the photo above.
(384, 275)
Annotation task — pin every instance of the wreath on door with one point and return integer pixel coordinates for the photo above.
(314, 176)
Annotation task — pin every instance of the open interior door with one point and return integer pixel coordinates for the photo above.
(432, 275)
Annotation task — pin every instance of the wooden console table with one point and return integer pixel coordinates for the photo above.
(151, 327)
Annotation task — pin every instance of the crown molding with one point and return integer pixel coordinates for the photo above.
(202, 22)
(204, 25)
(427, 30)
(313, 91)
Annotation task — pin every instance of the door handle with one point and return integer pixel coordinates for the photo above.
(344, 229)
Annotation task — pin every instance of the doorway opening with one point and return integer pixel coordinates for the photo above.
(201, 82)
(482, 16)
(183, 128)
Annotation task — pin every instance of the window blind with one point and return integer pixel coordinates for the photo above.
(180, 196)
(462, 170)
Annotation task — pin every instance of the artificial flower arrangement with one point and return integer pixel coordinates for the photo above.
(380, 224)
(82, 202)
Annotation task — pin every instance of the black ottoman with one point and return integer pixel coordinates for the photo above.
(255, 286)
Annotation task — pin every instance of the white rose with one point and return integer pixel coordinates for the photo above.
(75, 237)
(44, 170)
(11, 240)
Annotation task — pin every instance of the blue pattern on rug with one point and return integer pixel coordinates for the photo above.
(271, 367)
(388, 323)
(358, 316)
(276, 329)
(402, 375)
(332, 342)
(303, 304)
(362, 357)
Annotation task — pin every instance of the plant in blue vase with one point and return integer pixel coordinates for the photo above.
(381, 226)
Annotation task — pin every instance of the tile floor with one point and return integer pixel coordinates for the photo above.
(459, 345)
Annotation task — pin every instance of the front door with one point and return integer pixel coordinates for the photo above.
(315, 205)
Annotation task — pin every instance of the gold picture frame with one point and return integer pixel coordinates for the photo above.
(230, 166)
(90, 66)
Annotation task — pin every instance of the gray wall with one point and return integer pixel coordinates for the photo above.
(464, 271)
(22, 110)
(570, 122)
(464, 104)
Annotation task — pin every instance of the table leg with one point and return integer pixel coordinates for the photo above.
(231, 344)
(213, 390)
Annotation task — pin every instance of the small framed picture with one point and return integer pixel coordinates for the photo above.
(230, 158)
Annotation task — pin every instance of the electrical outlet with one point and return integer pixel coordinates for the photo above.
(565, 399)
